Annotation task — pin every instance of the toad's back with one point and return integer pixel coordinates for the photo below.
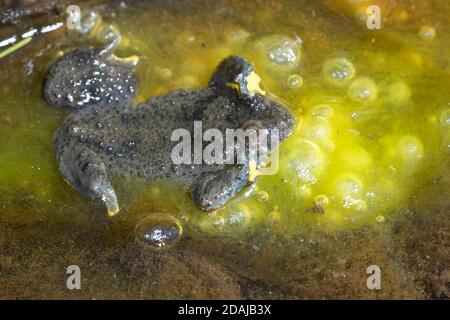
(136, 140)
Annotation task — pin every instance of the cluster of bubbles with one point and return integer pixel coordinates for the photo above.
(340, 73)
(326, 162)
(305, 159)
(336, 174)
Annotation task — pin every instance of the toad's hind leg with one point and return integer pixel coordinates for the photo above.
(212, 190)
(86, 172)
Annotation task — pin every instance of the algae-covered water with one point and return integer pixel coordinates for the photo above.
(363, 180)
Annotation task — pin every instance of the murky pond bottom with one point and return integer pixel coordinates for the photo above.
(363, 179)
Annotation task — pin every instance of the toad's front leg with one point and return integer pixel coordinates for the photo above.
(212, 190)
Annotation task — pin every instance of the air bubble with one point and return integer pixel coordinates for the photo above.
(321, 201)
(159, 230)
(295, 81)
(262, 196)
(318, 130)
(236, 218)
(164, 73)
(322, 110)
(338, 71)
(398, 93)
(410, 148)
(279, 50)
(305, 163)
(348, 186)
(427, 33)
(363, 89)
(212, 223)
(284, 54)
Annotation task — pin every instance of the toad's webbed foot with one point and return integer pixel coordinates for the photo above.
(212, 190)
(91, 76)
(85, 172)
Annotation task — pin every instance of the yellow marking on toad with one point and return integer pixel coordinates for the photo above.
(253, 81)
(253, 87)
(252, 171)
(113, 213)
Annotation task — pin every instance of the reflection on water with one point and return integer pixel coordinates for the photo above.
(363, 180)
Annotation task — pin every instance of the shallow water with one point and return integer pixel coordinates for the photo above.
(363, 179)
